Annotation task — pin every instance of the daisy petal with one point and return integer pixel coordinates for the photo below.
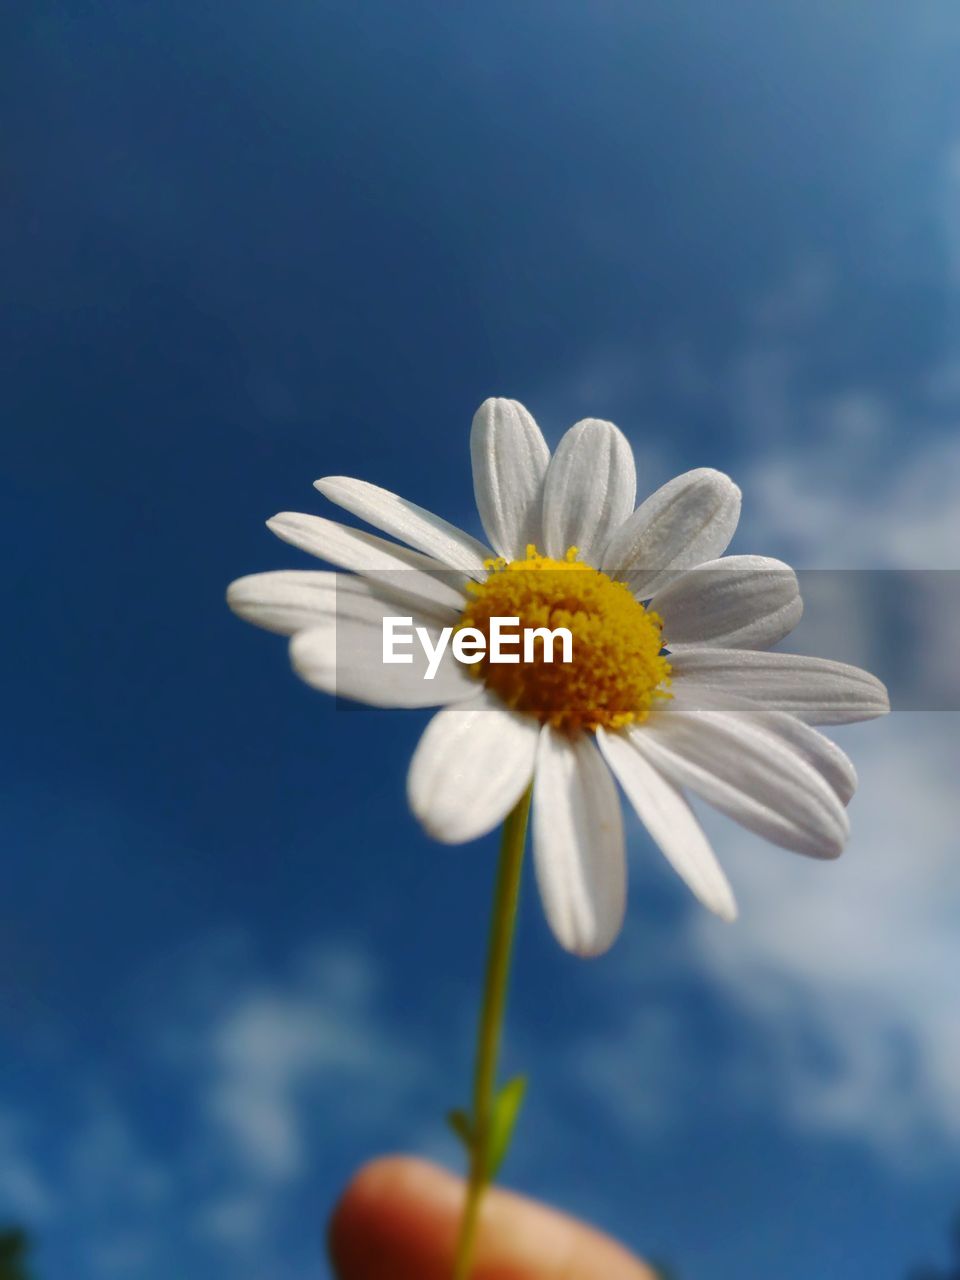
(470, 768)
(286, 600)
(739, 602)
(344, 656)
(815, 690)
(688, 520)
(833, 764)
(749, 774)
(413, 525)
(289, 600)
(417, 577)
(578, 843)
(510, 458)
(666, 815)
(590, 489)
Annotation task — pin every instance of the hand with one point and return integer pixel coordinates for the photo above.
(398, 1220)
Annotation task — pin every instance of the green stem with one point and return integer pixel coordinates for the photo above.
(506, 897)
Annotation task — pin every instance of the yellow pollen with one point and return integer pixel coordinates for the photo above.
(618, 668)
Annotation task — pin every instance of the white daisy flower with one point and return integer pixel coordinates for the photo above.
(671, 686)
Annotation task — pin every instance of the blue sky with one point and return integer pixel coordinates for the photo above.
(247, 246)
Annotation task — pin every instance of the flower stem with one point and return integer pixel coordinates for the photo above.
(506, 897)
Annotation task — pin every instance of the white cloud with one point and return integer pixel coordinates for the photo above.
(270, 1046)
(839, 978)
(844, 974)
(254, 1063)
(848, 505)
(22, 1187)
(262, 1054)
(849, 970)
(95, 1185)
(105, 1161)
(644, 1079)
(235, 1222)
(275, 1066)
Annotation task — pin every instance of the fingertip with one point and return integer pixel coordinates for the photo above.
(397, 1217)
(400, 1217)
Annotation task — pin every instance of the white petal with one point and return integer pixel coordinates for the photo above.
(289, 600)
(688, 520)
(833, 764)
(815, 690)
(413, 525)
(738, 602)
(671, 822)
(417, 577)
(578, 843)
(470, 768)
(748, 773)
(590, 490)
(510, 458)
(344, 657)
(286, 600)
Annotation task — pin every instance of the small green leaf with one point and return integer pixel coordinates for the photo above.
(459, 1122)
(506, 1108)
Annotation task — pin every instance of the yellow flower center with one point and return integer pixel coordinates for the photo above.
(617, 666)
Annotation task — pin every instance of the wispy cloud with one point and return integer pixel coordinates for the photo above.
(21, 1185)
(846, 971)
(261, 1059)
(842, 973)
(262, 1069)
